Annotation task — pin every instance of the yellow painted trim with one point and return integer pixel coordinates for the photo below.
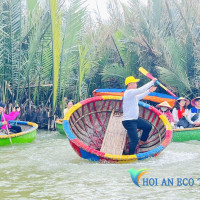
(32, 124)
(71, 110)
(123, 158)
(165, 122)
(186, 129)
(12, 135)
(112, 97)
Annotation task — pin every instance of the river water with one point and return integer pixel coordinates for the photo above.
(48, 168)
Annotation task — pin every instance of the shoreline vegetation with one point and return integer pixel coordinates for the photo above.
(56, 51)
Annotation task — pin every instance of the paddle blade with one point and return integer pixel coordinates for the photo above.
(146, 73)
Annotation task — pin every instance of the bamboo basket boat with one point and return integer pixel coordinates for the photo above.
(59, 126)
(95, 131)
(186, 134)
(27, 135)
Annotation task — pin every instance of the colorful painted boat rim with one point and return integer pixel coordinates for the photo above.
(89, 153)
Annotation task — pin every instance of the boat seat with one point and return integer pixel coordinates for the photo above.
(115, 135)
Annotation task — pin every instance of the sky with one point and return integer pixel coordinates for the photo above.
(102, 6)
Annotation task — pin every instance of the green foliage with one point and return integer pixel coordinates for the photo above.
(57, 46)
(60, 45)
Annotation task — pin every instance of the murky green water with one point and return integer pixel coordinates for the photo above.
(48, 168)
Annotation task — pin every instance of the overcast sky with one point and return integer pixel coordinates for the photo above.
(102, 6)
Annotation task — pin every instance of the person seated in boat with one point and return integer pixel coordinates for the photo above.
(194, 113)
(11, 116)
(131, 120)
(180, 113)
(165, 108)
(2, 122)
(69, 105)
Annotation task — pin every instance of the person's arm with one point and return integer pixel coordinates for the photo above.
(141, 89)
(141, 96)
(151, 89)
(189, 116)
(11, 116)
(175, 115)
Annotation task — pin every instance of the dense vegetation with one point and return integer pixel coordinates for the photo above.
(55, 50)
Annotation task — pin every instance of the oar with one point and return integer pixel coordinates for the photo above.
(7, 129)
(147, 74)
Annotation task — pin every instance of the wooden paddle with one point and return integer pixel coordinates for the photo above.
(7, 129)
(147, 74)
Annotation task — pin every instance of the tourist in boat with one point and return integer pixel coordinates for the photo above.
(130, 120)
(69, 105)
(180, 113)
(193, 114)
(165, 108)
(2, 122)
(11, 116)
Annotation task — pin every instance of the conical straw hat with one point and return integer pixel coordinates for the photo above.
(163, 104)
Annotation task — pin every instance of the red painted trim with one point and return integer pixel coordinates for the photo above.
(75, 147)
(92, 99)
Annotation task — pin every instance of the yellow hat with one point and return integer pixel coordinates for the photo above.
(163, 104)
(131, 79)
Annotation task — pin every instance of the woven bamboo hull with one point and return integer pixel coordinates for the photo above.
(59, 126)
(187, 134)
(85, 125)
(27, 135)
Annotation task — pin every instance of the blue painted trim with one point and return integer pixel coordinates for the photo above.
(89, 156)
(151, 153)
(18, 122)
(145, 105)
(67, 130)
(110, 90)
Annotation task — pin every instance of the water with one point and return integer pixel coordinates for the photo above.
(48, 168)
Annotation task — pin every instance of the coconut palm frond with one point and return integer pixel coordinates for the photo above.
(30, 59)
(73, 28)
(57, 46)
(85, 65)
(172, 78)
(47, 63)
(117, 72)
(31, 4)
(15, 28)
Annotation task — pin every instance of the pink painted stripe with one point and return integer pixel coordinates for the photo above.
(171, 93)
(87, 148)
(156, 111)
(149, 75)
(92, 99)
(168, 137)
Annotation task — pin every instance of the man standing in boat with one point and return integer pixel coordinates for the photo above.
(130, 120)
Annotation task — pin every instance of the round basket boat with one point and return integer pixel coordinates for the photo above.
(186, 134)
(27, 135)
(95, 131)
(59, 126)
